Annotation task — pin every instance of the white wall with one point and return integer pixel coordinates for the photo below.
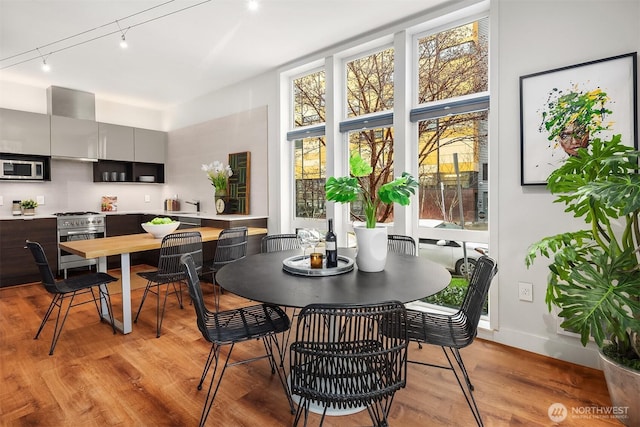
(533, 36)
(203, 143)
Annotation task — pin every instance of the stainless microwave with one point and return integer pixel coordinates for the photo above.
(21, 169)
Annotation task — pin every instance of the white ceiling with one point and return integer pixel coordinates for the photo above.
(177, 57)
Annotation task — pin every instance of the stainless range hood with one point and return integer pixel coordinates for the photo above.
(72, 104)
(76, 104)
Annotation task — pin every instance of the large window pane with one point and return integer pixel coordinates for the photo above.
(370, 84)
(440, 141)
(310, 175)
(309, 99)
(453, 63)
(376, 147)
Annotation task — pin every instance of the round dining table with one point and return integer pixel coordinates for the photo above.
(261, 278)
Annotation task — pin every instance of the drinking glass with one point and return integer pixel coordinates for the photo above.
(304, 237)
(314, 238)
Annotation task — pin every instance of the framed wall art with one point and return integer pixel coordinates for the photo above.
(563, 109)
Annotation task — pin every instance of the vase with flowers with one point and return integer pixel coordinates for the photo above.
(218, 174)
(372, 239)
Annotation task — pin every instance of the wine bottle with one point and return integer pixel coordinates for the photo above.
(331, 243)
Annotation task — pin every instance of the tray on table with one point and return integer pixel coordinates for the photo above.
(299, 265)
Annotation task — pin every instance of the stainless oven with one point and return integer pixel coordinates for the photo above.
(78, 226)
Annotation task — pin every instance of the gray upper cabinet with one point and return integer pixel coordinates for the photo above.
(22, 132)
(150, 145)
(115, 142)
(74, 138)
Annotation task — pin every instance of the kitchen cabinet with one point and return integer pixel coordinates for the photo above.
(16, 263)
(132, 171)
(74, 138)
(135, 152)
(115, 142)
(23, 132)
(150, 145)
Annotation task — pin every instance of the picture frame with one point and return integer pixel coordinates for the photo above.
(599, 98)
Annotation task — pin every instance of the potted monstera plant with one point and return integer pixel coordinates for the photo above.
(594, 277)
(372, 239)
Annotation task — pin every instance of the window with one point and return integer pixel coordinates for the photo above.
(452, 150)
(309, 99)
(370, 84)
(453, 161)
(452, 71)
(453, 63)
(447, 127)
(376, 147)
(309, 155)
(369, 116)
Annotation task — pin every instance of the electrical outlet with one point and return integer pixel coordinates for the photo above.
(525, 291)
(147, 198)
(40, 200)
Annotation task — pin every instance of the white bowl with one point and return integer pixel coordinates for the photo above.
(160, 230)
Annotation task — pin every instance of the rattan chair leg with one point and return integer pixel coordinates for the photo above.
(466, 391)
(147, 289)
(269, 341)
(208, 403)
(55, 302)
(378, 413)
(285, 336)
(60, 324)
(104, 293)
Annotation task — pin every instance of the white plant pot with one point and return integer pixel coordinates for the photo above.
(624, 388)
(372, 248)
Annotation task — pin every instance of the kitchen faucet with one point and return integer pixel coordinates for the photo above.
(195, 203)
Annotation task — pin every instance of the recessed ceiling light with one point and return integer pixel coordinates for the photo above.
(252, 5)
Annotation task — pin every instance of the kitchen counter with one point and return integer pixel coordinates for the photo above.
(27, 217)
(192, 214)
(188, 214)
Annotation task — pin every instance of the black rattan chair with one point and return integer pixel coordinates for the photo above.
(456, 331)
(228, 327)
(231, 246)
(349, 356)
(170, 273)
(401, 244)
(279, 242)
(65, 292)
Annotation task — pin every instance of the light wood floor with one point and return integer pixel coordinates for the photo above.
(96, 378)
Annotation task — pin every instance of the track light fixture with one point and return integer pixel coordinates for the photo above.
(20, 58)
(45, 67)
(123, 40)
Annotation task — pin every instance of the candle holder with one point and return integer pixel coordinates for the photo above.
(316, 260)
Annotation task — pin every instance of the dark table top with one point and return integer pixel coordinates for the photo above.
(261, 278)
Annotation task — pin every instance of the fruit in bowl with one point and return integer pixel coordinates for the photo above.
(159, 227)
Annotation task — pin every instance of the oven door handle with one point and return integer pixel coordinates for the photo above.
(88, 231)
